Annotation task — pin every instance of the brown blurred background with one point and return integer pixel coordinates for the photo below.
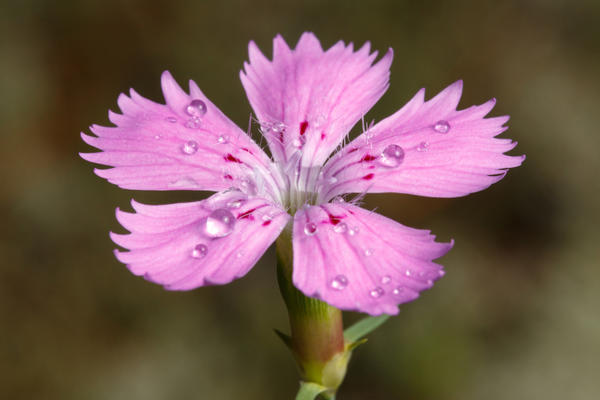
(516, 316)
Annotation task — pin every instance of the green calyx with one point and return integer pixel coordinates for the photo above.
(318, 342)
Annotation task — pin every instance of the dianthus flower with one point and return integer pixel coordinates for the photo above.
(306, 100)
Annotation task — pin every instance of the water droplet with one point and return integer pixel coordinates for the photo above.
(441, 272)
(391, 156)
(171, 119)
(185, 182)
(222, 139)
(234, 204)
(319, 121)
(196, 108)
(190, 147)
(340, 228)
(193, 123)
(332, 180)
(408, 272)
(423, 146)
(266, 217)
(310, 229)
(239, 254)
(278, 127)
(397, 291)
(386, 279)
(339, 282)
(429, 282)
(338, 199)
(354, 231)
(441, 126)
(219, 223)
(157, 137)
(368, 252)
(299, 142)
(199, 250)
(377, 292)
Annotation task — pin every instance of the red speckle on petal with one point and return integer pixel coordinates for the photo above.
(352, 150)
(368, 177)
(303, 126)
(368, 157)
(247, 214)
(228, 177)
(322, 135)
(231, 158)
(266, 223)
(335, 219)
(246, 150)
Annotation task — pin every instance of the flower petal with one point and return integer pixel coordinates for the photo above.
(308, 99)
(358, 260)
(427, 149)
(187, 245)
(182, 145)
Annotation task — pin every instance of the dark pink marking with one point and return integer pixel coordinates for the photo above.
(368, 177)
(322, 135)
(335, 219)
(228, 177)
(246, 150)
(352, 150)
(267, 223)
(368, 157)
(246, 214)
(303, 126)
(231, 158)
(281, 137)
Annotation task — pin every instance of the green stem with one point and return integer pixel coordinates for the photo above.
(317, 336)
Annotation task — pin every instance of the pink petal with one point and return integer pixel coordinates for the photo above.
(357, 260)
(167, 147)
(462, 156)
(316, 95)
(170, 244)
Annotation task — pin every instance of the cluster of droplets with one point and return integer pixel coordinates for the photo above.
(196, 110)
(218, 224)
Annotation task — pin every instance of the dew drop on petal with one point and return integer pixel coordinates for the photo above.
(441, 126)
(239, 254)
(386, 279)
(340, 228)
(397, 291)
(423, 146)
(338, 199)
(171, 119)
(310, 229)
(234, 204)
(190, 147)
(391, 156)
(222, 139)
(299, 142)
(199, 250)
(193, 123)
(196, 108)
(354, 231)
(368, 252)
(377, 292)
(219, 223)
(278, 127)
(157, 137)
(408, 272)
(339, 282)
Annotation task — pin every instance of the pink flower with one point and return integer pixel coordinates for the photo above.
(306, 101)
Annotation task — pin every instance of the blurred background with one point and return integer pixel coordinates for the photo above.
(515, 317)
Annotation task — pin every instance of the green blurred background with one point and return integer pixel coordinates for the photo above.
(516, 316)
